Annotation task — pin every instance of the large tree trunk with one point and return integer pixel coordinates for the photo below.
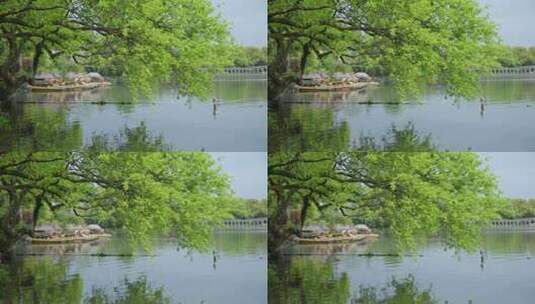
(37, 57)
(278, 231)
(304, 212)
(304, 60)
(10, 70)
(10, 229)
(279, 70)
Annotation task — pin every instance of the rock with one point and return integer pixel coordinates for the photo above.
(45, 79)
(312, 231)
(363, 229)
(293, 237)
(71, 76)
(361, 76)
(345, 229)
(73, 230)
(95, 229)
(47, 231)
(311, 79)
(340, 76)
(95, 77)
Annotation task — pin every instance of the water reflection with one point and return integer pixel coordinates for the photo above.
(314, 128)
(313, 281)
(39, 281)
(500, 272)
(233, 119)
(233, 270)
(139, 291)
(499, 120)
(402, 291)
(307, 281)
(49, 281)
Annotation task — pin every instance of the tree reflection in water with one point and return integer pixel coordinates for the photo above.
(306, 281)
(315, 281)
(47, 128)
(137, 139)
(402, 291)
(49, 281)
(133, 292)
(314, 128)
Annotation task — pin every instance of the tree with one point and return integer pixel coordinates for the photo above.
(147, 193)
(307, 281)
(411, 41)
(248, 208)
(146, 41)
(452, 194)
(519, 56)
(251, 56)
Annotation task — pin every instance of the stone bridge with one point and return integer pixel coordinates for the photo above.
(246, 224)
(516, 224)
(523, 72)
(243, 73)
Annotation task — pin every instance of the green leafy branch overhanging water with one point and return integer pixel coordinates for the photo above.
(141, 42)
(145, 194)
(408, 41)
(451, 194)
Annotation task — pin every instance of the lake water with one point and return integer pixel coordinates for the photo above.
(68, 275)
(344, 120)
(81, 120)
(338, 275)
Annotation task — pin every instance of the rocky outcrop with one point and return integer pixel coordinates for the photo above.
(95, 229)
(96, 77)
(317, 231)
(47, 231)
(322, 79)
(71, 78)
(51, 231)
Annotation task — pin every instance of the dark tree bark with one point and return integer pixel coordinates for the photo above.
(304, 60)
(10, 78)
(279, 70)
(11, 222)
(278, 226)
(304, 211)
(39, 49)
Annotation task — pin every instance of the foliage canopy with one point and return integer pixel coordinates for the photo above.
(145, 41)
(144, 193)
(411, 41)
(452, 194)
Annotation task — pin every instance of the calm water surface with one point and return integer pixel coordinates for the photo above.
(107, 119)
(339, 121)
(337, 275)
(65, 275)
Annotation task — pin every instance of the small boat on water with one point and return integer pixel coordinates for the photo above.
(338, 87)
(73, 239)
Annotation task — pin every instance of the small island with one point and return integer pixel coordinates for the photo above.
(53, 82)
(323, 82)
(54, 234)
(318, 234)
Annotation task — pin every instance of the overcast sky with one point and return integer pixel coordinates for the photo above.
(515, 19)
(248, 171)
(248, 19)
(516, 172)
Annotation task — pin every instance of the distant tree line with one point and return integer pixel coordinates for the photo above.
(251, 56)
(249, 208)
(519, 208)
(519, 56)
